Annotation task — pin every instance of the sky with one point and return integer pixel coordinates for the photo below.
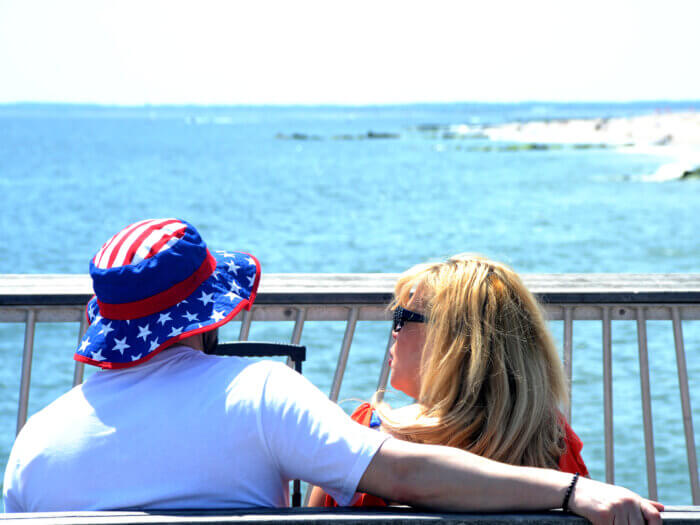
(361, 52)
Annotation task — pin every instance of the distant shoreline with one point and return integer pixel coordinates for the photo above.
(674, 129)
(680, 129)
(649, 105)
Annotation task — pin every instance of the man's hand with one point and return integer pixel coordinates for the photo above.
(602, 503)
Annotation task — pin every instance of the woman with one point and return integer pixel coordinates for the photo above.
(471, 346)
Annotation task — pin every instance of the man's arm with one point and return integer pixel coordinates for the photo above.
(447, 478)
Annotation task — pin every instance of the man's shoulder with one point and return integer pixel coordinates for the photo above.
(271, 376)
(266, 367)
(42, 427)
(53, 412)
(251, 378)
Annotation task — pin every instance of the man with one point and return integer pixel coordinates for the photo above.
(182, 429)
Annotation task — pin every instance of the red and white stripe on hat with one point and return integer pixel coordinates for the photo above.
(139, 241)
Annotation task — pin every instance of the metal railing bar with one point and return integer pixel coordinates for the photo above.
(79, 370)
(321, 312)
(298, 326)
(568, 350)
(360, 289)
(384, 372)
(44, 314)
(296, 338)
(344, 351)
(371, 312)
(621, 312)
(646, 404)
(245, 325)
(296, 333)
(685, 405)
(25, 381)
(608, 398)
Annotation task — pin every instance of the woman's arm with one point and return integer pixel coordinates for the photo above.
(447, 478)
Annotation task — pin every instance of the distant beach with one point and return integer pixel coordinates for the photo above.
(675, 135)
(672, 129)
(678, 130)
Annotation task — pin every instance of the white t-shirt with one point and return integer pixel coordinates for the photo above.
(186, 430)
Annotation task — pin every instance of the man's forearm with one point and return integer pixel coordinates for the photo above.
(445, 478)
(450, 479)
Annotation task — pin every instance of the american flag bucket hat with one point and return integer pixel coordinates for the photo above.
(156, 283)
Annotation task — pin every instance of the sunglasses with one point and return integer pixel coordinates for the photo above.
(402, 316)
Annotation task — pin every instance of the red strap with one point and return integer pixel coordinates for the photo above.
(363, 414)
(571, 460)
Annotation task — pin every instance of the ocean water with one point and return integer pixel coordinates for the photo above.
(360, 189)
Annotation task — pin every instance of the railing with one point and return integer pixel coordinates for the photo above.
(321, 516)
(353, 298)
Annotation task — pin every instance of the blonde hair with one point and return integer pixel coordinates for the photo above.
(491, 379)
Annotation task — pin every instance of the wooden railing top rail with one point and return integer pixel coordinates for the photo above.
(376, 288)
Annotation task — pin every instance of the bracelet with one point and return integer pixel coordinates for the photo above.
(565, 505)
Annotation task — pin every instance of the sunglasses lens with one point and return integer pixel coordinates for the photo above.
(398, 319)
(402, 316)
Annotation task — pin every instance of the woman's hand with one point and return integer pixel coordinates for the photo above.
(602, 504)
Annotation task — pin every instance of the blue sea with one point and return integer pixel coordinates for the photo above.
(361, 189)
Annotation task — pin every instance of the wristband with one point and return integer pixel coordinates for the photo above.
(565, 505)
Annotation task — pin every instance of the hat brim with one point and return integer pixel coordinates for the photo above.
(112, 344)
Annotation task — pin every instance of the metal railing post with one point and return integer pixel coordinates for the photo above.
(384, 372)
(568, 353)
(245, 325)
(685, 404)
(608, 397)
(344, 351)
(79, 370)
(26, 378)
(646, 403)
(298, 327)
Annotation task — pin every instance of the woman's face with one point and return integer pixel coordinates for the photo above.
(406, 352)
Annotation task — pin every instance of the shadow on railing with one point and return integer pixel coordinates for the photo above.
(352, 298)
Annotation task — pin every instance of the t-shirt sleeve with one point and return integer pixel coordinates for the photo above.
(311, 438)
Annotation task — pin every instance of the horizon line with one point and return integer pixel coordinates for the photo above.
(339, 104)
